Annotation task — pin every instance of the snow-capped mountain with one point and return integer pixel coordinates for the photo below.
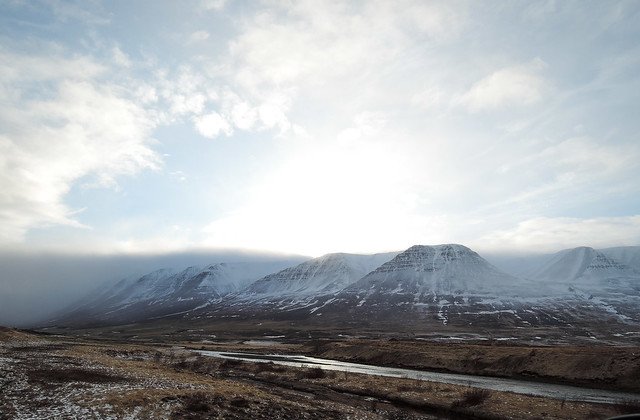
(444, 284)
(454, 285)
(439, 282)
(324, 275)
(438, 270)
(165, 292)
(588, 270)
(628, 255)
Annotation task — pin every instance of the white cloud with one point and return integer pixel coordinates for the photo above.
(244, 116)
(213, 4)
(81, 127)
(314, 43)
(211, 125)
(198, 36)
(120, 58)
(430, 97)
(365, 124)
(578, 166)
(184, 93)
(546, 234)
(516, 85)
(89, 12)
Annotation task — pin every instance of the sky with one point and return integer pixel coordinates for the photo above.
(307, 127)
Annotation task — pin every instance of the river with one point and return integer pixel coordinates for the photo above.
(540, 389)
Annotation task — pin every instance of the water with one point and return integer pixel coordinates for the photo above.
(566, 392)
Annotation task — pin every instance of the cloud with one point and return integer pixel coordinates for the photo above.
(89, 12)
(81, 127)
(215, 5)
(198, 36)
(211, 125)
(314, 43)
(546, 234)
(578, 166)
(518, 85)
(120, 58)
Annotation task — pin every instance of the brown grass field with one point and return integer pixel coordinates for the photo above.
(68, 377)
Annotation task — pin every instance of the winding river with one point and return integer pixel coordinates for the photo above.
(566, 392)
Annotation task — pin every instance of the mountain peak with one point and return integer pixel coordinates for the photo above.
(448, 269)
(326, 274)
(581, 262)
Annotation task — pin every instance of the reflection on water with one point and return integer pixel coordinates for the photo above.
(569, 393)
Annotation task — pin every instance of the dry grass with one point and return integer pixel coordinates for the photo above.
(122, 379)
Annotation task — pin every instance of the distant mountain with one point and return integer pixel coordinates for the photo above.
(441, 270)
(424, 285)
(588, 270)
(454, 285)
(440, 282)
(166, 292)
(324, 275)
(629, 255)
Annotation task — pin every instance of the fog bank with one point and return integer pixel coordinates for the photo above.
(35, 285)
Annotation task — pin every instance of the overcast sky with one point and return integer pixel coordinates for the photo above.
(317, 126)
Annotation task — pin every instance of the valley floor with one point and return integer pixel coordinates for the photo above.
(43, 376)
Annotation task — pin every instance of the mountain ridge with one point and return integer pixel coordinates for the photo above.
(447, 282)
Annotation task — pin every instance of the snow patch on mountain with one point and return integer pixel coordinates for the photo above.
(628, 255)
(589, 271)
(449, 269)
(324, 275)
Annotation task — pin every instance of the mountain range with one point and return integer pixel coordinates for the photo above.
(448, 284)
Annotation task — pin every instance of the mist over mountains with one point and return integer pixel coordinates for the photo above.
(35, 285)
(448, 284)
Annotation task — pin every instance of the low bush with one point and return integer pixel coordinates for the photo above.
(312, 373)
(230, 364)
(472, 398)
(268, 367)
(53, 375)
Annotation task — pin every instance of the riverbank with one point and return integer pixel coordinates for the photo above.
(532, 388)
(594, 366)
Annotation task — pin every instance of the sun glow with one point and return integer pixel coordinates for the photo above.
(339, 192)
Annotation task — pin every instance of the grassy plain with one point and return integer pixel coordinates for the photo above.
(71, 376)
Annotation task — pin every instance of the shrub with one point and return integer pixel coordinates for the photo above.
(53, 375)
(472, 398)
(312, 373)
(196, 403)
(268, 367)
(230, 364)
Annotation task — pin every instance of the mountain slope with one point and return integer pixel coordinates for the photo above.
(437, 270)
(166, 292)
(455, 286)
(628, 255)
(588, 270)
(324, 275)
(426, 286)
